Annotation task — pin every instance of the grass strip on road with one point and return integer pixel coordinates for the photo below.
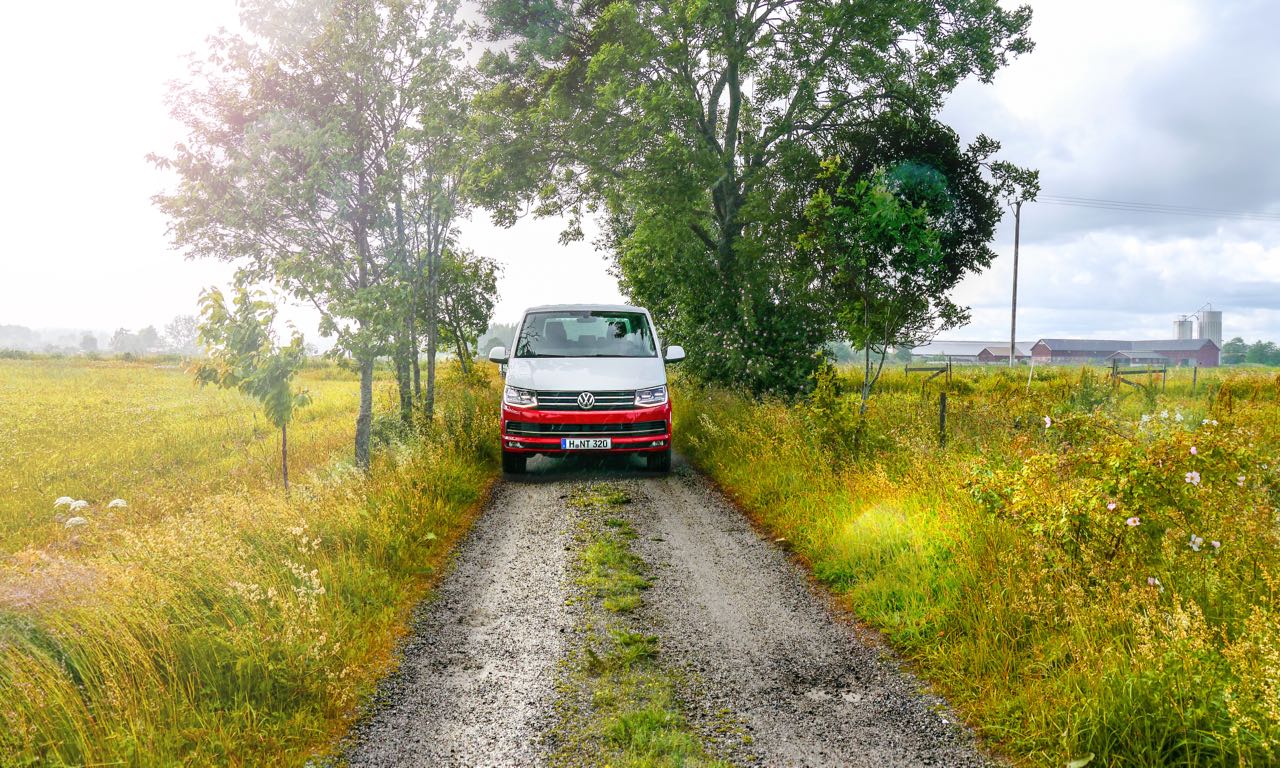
(619, 703)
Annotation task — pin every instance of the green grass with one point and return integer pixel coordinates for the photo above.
(618, 702)
(233, 626)
(995, 566)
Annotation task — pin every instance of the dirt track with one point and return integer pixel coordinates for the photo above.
(759, 647)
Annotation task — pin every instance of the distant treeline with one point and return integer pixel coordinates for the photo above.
(178, 337)
(1237, 351)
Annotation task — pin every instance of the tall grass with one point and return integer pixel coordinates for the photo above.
(233, 626)
(996, 564)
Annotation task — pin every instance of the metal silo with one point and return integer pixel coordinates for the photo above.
(1211, 325)
(1182, 329)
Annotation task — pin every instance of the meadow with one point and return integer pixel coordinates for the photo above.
(210, 619)
(1090, 573)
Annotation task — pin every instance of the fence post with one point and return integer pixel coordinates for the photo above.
(1195, 374)
(942, 420)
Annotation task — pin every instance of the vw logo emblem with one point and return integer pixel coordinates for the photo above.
(586, 400)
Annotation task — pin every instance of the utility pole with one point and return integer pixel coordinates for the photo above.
(1013, 321)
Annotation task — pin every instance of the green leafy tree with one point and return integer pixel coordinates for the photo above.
(182, 335)
(468, 290)
(881, 264)
(1263, 353)
(242, 354)
(1234, 351)
(323, 155)
(695, 129)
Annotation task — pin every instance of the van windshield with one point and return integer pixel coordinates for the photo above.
(585, 333)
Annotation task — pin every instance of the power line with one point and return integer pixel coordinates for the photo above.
(1157, 208)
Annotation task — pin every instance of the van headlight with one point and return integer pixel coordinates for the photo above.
(520, 398)
(651, 396)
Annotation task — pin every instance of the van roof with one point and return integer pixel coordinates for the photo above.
(586, 307)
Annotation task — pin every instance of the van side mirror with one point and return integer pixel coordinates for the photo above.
(498, 355)
(675, 353)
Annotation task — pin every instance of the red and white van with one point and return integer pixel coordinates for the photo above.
(586, 378)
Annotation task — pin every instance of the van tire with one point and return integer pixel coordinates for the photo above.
(514, 463)
(659, 461)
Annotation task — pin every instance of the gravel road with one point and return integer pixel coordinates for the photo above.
(761, 648)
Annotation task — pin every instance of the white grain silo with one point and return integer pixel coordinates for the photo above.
(1182, 328)
(1211, 325)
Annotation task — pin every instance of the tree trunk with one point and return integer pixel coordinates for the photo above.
(364, 420)
(284, 456)
(433, 335)
(404, 381)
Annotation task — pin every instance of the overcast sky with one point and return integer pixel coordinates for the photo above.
(1154, 101)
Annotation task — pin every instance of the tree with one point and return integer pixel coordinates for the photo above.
(88, 343)
(323, 154)
(182, 335)
(242, 354)
(496, 335)
(695, 128)
(1234, 351)
(1263, 353)
(881, 262)
(125, 342)
(468, 287)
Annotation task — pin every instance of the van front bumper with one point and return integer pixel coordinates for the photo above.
(529, 430)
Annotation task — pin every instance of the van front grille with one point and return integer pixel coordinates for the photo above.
(624, 400)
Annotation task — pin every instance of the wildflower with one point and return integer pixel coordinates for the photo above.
(1210, 422)
(1111, 506)
(1177, 416)
(1196, 543)
(1164, 414)
(1152, 581)
(1216, 544)
(75, 522)
(63, 501)
(1048, 422)
(1193, 450)
(78, 504)
(1146, 417)
(117, 504)
(1240, 481)
(1133, 522)
(1193, 477)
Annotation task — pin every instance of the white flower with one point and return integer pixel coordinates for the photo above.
(117, 504)
(1146, 417)
(63, 501)
(1048, 422)
(1216, 544)
(1152, 581)
(75, 522)
(1177, 416)
(1193, 477)
(1133, 522)
(1164, 414)
(1196, 543)
(78, 505)
(1111, 506)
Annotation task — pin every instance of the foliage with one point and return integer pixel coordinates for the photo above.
(143, 342)
(468, 291)
(212, 621)
(1093, 586)
(182, 335)
(241, 353)
(695, 129)
(323, 153)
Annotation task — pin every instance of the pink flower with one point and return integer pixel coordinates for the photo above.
(1193, 450)
(1048, 422)
(1216, 544)
(1133, 522)
(1240, 481)
(1193, 477)
(1111, 506)
(1152, 581)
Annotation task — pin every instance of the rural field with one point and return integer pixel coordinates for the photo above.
(1081, 571)
(210, 619)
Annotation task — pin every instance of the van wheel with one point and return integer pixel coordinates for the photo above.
(659, 461)
(513, 463)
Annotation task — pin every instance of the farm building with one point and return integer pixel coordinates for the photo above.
(1126, 358)
(1000, 354)
(965, 351)
(1202, 352)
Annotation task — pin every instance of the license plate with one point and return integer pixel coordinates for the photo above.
(585, 443)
